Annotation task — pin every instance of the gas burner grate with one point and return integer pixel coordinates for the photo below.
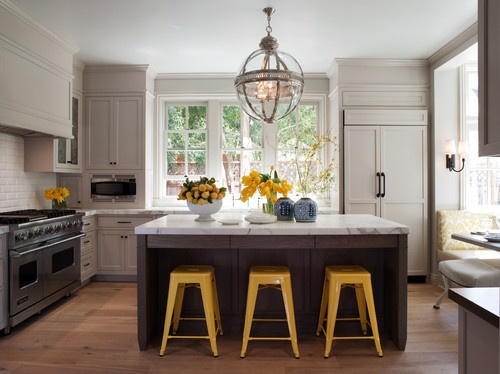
(31, 215)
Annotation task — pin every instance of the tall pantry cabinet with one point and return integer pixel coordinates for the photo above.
(385, 173)
(379, 107)
(118, 128)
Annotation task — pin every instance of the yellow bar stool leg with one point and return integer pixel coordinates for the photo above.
(286, 291)
(216, 307)
(253, 287)
(333, 306)
(360, 298)
(172, 292)
(208, 306)
(324, 303)
(178, 307)
(373, 316)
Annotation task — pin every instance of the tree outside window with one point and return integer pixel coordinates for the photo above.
(186, 144)
(228, 144)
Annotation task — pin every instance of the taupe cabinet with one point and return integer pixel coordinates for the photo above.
(88, 251)
(114, 132)
(117, 244)
(385, 174)
(489, 82)
(4, 314)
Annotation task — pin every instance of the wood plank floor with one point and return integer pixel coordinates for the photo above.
(94, 331)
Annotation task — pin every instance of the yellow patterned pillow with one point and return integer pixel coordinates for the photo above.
(457, 221)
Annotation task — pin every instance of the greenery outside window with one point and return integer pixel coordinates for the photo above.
(185, 134)
(216, 138)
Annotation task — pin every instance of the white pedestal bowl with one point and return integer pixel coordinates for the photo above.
(206, 210)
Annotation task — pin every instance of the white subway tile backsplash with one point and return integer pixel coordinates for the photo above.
(18, 189)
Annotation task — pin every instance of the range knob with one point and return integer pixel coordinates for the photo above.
(22, 236)
(49, 230)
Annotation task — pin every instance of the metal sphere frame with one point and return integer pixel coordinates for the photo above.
(270, 83)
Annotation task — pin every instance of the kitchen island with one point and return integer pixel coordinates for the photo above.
(306, 248)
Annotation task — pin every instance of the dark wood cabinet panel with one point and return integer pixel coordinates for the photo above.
(384, 256)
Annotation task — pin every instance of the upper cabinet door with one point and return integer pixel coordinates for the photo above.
(489, 77)
(114, 129)
(98, 131)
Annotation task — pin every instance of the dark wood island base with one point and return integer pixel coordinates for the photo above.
(383, 255)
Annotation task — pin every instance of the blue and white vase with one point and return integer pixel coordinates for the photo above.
(283, 209)
(305, 210)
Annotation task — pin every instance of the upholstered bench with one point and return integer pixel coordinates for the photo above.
(467, 273)
(462, 263)
(462, 221)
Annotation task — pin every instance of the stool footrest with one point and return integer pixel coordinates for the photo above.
(269, 320)
(268, 338)
(188, 337)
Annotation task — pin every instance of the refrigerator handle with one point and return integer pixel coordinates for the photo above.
(383, 193)
(379, 185)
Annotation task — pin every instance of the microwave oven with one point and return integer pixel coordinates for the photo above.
(122, 188)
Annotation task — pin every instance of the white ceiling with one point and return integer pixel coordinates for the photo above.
(215, 36)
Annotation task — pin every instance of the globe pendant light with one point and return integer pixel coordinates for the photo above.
(270, 83)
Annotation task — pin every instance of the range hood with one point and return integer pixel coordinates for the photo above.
(23, 132)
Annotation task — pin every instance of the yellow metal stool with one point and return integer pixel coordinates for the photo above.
(270, 277)
(336, 278)
(182, 277)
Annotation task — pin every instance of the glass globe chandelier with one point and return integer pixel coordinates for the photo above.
(270, 83)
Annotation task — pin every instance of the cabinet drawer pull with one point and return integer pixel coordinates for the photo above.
(86, 224)
(87, 264)
(86, 241)
(124, 222)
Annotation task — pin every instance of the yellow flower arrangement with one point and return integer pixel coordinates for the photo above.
(57, 193)
(202, 191)
(268, 186)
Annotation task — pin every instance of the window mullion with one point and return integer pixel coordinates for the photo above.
(214, 153)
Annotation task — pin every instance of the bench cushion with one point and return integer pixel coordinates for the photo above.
(470, 273)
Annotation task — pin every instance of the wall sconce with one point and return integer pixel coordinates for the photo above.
(450, 149)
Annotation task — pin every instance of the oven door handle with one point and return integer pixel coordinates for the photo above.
(19, 254)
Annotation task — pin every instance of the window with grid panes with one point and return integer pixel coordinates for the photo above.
(228, 144)
(186, 144)
(482, 174)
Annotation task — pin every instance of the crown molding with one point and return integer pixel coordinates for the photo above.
(32, 22)
(459, 44)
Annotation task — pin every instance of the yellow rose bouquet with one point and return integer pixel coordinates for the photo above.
(268, 185)
(202, 191)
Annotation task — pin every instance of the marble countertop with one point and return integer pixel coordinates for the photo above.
(482, 301)
(332, 224)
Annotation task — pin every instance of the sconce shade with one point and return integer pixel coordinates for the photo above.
(463, 148)
(450, 148)
(270, 83)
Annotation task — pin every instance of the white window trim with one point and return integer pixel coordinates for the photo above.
(214, 102)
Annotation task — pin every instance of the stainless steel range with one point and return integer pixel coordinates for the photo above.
(44, 259)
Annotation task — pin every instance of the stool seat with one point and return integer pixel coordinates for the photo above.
(336, 278)
(467, 273)
(202, 277)
(270, 277)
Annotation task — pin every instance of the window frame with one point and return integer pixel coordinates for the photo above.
(470, 123)
(214, 103)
